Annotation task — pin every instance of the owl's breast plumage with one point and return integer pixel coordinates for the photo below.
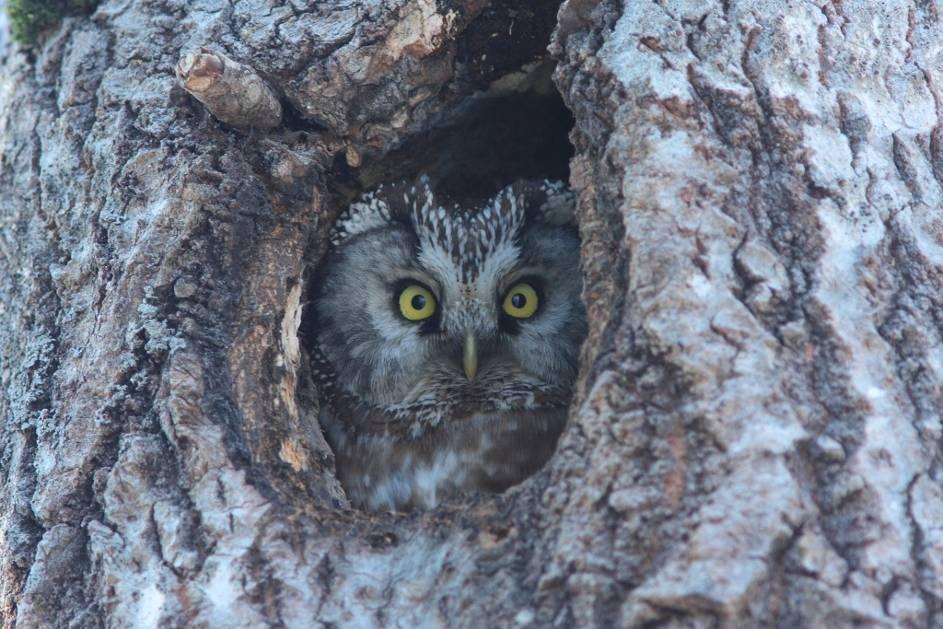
(385, 463)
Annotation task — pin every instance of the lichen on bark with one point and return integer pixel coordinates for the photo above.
(29, 18)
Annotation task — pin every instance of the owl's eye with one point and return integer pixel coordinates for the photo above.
(521, 301)
(416, 302)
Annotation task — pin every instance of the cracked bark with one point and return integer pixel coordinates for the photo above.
(756, 437)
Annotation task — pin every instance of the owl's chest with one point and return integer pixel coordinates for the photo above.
(486, 451)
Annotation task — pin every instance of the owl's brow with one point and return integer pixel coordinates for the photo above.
(477, 243)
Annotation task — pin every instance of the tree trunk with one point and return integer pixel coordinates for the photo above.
(756, 436)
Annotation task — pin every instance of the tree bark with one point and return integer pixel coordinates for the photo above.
(756, 436)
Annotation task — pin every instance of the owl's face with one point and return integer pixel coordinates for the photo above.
(421, 305)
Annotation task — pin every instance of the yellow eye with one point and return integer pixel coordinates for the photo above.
(416, 303)
(521, 301)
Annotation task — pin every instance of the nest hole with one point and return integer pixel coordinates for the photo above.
(491, 140)
(516, 130)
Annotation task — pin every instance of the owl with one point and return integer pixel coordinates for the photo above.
(446, 341)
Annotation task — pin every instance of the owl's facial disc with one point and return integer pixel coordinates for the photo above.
(422, 305)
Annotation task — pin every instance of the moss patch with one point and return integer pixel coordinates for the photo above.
(29, 18)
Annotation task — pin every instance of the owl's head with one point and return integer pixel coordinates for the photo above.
(421, 304)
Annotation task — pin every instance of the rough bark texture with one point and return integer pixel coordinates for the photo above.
(757, 433)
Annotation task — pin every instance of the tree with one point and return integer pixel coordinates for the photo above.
(756, 436)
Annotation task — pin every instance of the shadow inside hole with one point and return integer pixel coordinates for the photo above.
(488, 143)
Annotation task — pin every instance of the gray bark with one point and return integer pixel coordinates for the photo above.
(756, 438)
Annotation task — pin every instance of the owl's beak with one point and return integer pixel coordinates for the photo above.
(470, 355)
